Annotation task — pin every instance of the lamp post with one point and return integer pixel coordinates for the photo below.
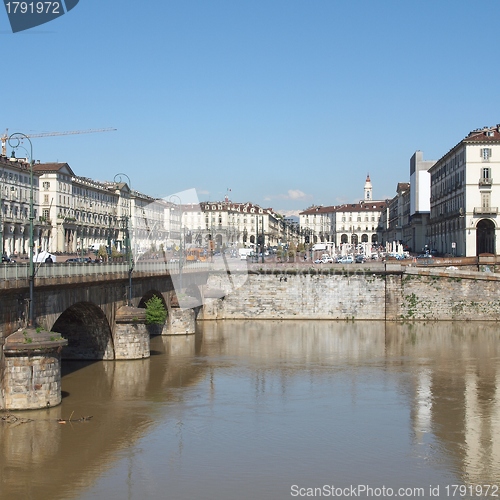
(181, 250)
(15, 142)
(1, 218)
(262, 241)
(127, 239)
(83, 206)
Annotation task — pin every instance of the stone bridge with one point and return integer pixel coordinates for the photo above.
(83, 316)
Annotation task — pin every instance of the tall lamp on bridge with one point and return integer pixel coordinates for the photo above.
(14, 141)
(181, 249)
(118, 178)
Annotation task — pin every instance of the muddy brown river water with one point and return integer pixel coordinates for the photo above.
(272, 410)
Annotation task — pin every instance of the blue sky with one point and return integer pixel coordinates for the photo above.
(286, 102)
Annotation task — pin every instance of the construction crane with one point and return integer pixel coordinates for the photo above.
(5, 137)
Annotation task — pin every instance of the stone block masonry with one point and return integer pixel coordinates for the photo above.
(31, 381)
(469, 296)
(393, 294)
(131, 336)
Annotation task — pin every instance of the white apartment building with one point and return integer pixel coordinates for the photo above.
(232, 224)
(465, 196)
(352, 223)
(79, 214)
(149, 231)
(15, 191)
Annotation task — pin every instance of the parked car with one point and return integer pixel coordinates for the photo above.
(8, 260)
(79, 260)
(346, 260)
(360, 259)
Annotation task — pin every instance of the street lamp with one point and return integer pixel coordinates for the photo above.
(15, 142)
(1, 218)
(260, 238)
(181, 250)
(127, 239)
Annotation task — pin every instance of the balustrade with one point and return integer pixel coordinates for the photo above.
(13, 272)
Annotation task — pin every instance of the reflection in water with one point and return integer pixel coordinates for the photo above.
(247, 409)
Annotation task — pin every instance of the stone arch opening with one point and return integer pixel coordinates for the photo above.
(354, 239)
(374, 238)
(218, 241)
(344, 238)
(364, 238)
(87, 330)
(485, 237)
(149, 295)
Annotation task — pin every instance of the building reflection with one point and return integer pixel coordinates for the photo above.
(454, 392)
(46, 459)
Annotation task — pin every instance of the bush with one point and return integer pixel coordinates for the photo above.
(156, 314)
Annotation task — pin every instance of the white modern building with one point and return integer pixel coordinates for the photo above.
(420, 204)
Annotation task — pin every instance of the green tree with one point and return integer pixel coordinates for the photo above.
(114, 252)
(102, 252)
(156, 314)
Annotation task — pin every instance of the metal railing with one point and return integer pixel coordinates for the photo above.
(485, 181)
(11, 272)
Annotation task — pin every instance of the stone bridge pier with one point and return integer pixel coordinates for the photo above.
(89, 320)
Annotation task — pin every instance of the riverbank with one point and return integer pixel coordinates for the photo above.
(387, 292)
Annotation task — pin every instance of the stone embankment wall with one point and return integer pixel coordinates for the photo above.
(394, 293)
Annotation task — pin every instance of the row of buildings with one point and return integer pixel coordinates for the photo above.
(450, 205)
(73, 214)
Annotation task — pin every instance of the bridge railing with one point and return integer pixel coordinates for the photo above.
(54, 270)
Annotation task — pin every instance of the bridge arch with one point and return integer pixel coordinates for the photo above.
(150, 294)
(87, 330)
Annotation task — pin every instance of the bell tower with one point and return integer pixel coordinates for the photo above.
(368, 189)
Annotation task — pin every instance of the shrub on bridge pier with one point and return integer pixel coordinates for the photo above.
(156, 314)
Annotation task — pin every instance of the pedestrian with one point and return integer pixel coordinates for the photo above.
(49, 260)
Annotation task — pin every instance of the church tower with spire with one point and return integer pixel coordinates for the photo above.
(368, 189)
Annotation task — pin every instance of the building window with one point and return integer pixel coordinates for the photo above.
(486, 173)
(486, 154)
(485, 200)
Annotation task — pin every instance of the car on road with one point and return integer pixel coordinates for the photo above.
(360, 259)
(79, 260)
(347, 259)
(325, 259)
